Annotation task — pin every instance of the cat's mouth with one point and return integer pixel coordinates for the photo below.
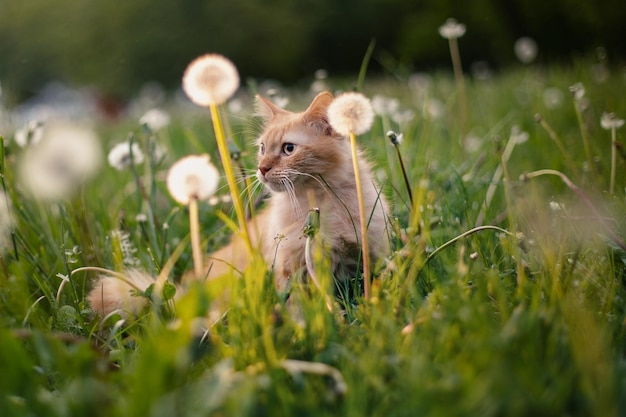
(275, 182)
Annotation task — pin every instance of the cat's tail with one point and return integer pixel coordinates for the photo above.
(120, 292)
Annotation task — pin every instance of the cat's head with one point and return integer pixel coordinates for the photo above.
(296, 149)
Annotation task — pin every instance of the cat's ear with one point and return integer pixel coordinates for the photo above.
(265, 109)
(316, 114)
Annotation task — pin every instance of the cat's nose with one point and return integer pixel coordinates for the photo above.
(264, 169)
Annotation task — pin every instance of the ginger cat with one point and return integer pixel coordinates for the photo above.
(304, 163)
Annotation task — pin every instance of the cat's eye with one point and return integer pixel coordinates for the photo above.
(262, 149)
(288, 148)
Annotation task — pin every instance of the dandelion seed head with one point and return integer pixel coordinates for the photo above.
(578, 91)
(277, 97)
(384, 106)
(555, 206)
(192, 177)
(481, 70)
(30, 134)
(156, 119)
(120, 155)
(518, 135)
(473, 143)
(67, 157)
(420, 83)
(235, 106)
(210, 79)
(610, 121)
(321, 74)
(402, 117)
(525, 49)
(394, 138)
(552, 98)
(452, 29)
(351, 113)
(434, 109)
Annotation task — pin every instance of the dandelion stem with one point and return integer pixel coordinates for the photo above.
(230, 175)
(362, 219)
(557, 141)
(310, 230)
(6, 201)
(495, 180)
(194, 232)
(609, 229)
(460, 85)
(613, 160)
(404, 175)
(583, 133)
(463, 235)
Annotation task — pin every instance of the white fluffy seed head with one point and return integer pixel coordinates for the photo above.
(66, 157)
(119, 156)
(610, 121)
(192, 177)
(351, 113)
(210, 79)
(452, 29)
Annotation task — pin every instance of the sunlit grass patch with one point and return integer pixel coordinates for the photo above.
(504, 293)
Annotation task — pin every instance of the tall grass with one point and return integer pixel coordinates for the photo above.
(523, 321)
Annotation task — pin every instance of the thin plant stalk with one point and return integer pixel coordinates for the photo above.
(583, 133)
(362, 218)
(230, 176)
(613, 160)
(393, 137)
(404, 175)
(364, 64)
(460, 85)
(495, 180)
(584, 197)
(310, 230)
(6, 201)
(464, 235)
(557, 141)
(194, 232)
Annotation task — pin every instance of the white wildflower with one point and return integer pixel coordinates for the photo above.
(127, 248)
(120, 156)
(155, 119)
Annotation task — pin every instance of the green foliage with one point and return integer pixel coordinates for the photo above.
(523, 322)
(117, 47)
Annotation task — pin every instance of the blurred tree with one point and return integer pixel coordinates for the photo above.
(118, 46)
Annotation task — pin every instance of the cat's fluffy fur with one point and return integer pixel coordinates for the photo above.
(305, 164)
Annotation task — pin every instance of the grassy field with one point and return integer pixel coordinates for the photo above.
(504, 294)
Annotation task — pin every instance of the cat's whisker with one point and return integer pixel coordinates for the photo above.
(322, 184)
(290, 190)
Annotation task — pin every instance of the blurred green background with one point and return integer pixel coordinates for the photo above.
(117, 46)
